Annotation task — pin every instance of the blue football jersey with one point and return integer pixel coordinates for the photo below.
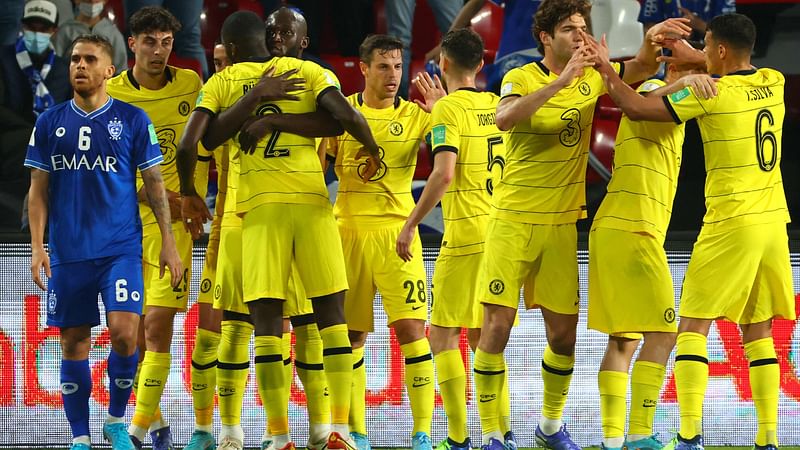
(92, 161)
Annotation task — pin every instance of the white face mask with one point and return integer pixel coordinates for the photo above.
(91, 9)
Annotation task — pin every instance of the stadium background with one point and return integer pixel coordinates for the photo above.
(30, 412)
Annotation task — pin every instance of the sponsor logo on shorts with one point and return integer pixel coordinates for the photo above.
(151, 382)
(124, 383)
(669, 315)
(414, 308)
(497, 286)
(421, 381)
(649, 403)
(487, 398)
(205, 285)
(69, 388)
(584, 88)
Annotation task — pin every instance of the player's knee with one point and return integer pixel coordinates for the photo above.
(409, 330)
(123, 340)
(562, 342)
(357, 338)
(75, 347)
(442, 339)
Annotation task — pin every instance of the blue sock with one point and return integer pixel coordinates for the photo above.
(76, 386)
(121, 371)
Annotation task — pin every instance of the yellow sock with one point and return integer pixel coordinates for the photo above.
(691, 380)
(232, 369)
(337, 357)
(556, 375)
(489, 371)
(204, 377)
(453, 386)
(271, 383)
(613, 388)
(358, 400)
(646, 381)
(419, 383)
(765, 384)
(308, 362)
(505, 406)
(152, 378)
(288, 373)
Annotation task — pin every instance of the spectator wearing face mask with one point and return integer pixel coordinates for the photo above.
(92, 20)
(33, 78)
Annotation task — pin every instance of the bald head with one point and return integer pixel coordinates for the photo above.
(287, 33)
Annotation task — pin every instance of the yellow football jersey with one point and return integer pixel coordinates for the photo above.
(230, 218)
(168, 109)
(284, 168)
(742, 129)
(463, 123)
(387, 196)
(647, 160)
(546, 155)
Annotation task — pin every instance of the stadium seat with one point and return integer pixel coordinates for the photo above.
(348, 72)
(601, 144)
(489, 24)
(116, 13)
(424, 33)
(424, 162)
(416, 66)
(617, 19)
(379, 7)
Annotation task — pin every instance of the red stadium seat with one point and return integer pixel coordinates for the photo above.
(116, 13)
(489, 24)
(424, 162)
(348, 72)
(379, 7)
(416, 66)
(604, 133)
(424, 33)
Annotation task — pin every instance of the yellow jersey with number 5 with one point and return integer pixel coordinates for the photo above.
(386, 198)
(463, 123)
(546, 155)
(284, 167)
(742, 130)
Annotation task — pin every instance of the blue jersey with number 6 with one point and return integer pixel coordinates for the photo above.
(92, 160)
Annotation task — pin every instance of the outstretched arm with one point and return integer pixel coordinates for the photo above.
(157, 196)
(38, 197)
(635, 106)
(319, 123)
(444, 167)
(644, 64)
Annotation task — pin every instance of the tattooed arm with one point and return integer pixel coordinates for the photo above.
(157, 197)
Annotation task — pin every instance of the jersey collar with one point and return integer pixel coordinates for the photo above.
(360, 99)
(465, 88)
(542, 67)
(743, 72)
(93, 114)
(134, 83)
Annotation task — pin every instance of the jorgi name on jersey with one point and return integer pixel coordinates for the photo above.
(104, 163)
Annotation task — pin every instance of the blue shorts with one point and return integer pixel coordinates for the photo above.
(73, 288)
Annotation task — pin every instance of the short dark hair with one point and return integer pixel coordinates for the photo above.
(153, 18)
(553, 12)
(381, 42)
(242, 28)
(735, 30)
(463, 47)
(97, 40)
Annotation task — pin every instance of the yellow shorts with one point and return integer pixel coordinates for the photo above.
(207, 278)
(159, 291)
(228, 282)
(743, 275)
(630, 285)
(372, 263)
(275, 235)
(541, 258)
(228, 285)
(457, 283)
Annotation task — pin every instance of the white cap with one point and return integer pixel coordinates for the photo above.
(41, 9)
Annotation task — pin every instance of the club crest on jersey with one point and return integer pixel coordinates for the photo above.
(115, 128)
(183, 108)
(396, 128)
(584, 88)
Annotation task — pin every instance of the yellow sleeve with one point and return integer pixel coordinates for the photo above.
(212, 95)
(650, 86)
(685, 105)
(514, 84)
(445, 135)
(319, 79)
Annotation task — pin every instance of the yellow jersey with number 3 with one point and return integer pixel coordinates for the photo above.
(168, 109)
(546, 155)
(647, 160)
(284, 167)
(742, 130)
(398, 130)
(463, 123)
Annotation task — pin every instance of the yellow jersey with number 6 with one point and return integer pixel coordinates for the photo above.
(284, 167)
(742, 130)
(463, 123)
(546, 155)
